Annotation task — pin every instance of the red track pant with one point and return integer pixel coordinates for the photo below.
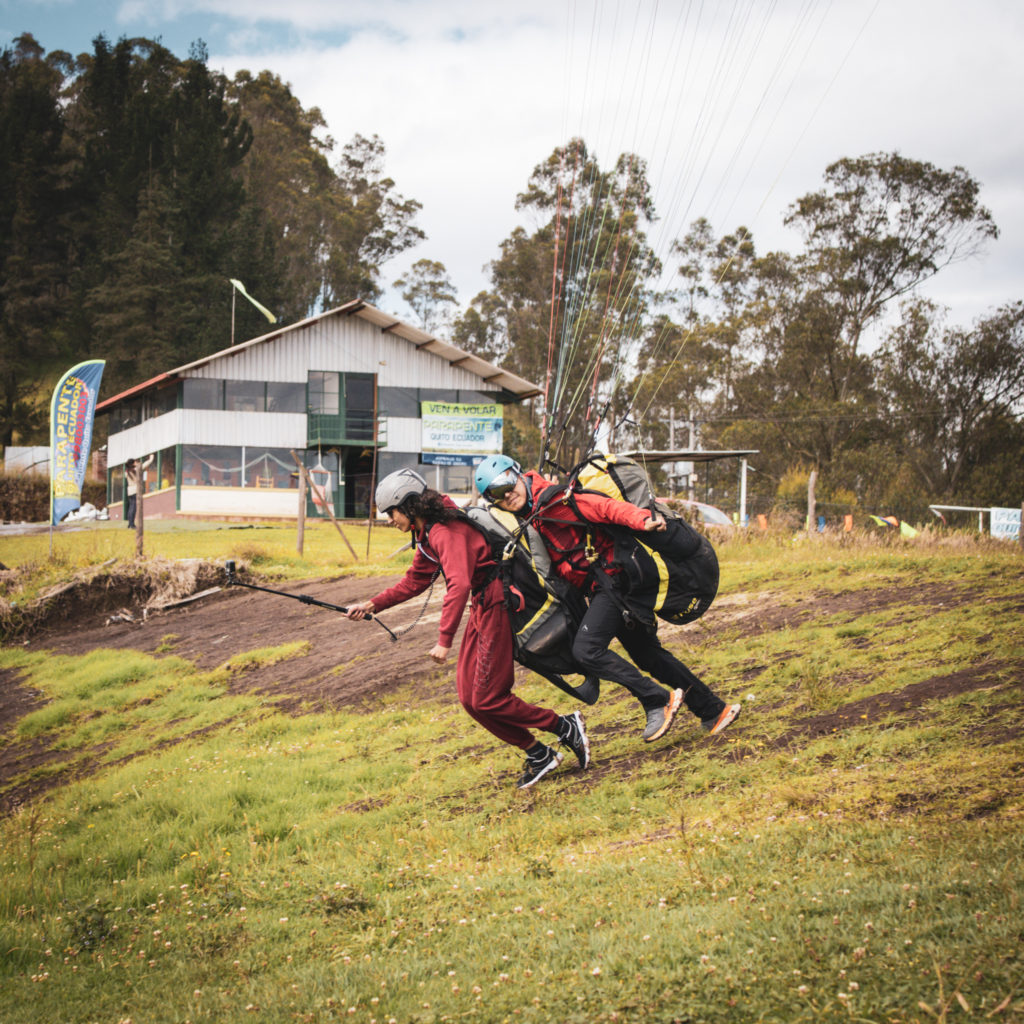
(485, 674)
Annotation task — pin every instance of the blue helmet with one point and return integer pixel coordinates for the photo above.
(497, 471)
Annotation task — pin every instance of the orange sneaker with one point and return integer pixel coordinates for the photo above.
(729, 714)
(659, 719)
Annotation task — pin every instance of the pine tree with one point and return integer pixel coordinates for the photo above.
(33, 240)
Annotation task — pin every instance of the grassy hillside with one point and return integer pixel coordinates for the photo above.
(850, 850)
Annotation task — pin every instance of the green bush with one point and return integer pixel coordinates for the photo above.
(25, 497)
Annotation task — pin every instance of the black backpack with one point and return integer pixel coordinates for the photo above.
(671, 574)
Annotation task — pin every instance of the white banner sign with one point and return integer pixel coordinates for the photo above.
(456, 428)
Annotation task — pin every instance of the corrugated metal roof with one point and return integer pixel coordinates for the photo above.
(489, 372)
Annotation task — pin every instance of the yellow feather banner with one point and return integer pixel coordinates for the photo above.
(263, 309)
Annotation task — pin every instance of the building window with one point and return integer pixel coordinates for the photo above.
(201, 393)
(126, 415)
(270, 467)
(438, 395)
(403, 402)
(478, 397)
(116, 484)
(282, 397)
(457, 480)
(214, 465)
(162, 401)
(163, 468)
(244, 395)
(324, 393)
(391, 462)
(359, 410)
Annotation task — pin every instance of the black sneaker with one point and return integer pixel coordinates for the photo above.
(537, 766)
(571, 734)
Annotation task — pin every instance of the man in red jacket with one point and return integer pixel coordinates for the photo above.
(575, 547)
(446, 543)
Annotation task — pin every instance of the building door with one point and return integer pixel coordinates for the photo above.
(358, 479)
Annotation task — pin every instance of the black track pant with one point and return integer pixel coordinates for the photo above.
(603, 623)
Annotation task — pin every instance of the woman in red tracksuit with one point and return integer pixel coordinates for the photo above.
(567, 539)
(446, 542)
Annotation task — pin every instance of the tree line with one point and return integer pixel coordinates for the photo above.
(135, 184)
(826, 360)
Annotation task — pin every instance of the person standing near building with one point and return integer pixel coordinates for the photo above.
(576, 548)
(446, 542)
(133, 470)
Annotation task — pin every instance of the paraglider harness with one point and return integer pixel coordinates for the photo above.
(543, 610)
(671, 574)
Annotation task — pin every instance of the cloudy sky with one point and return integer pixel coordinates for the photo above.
(736, 105)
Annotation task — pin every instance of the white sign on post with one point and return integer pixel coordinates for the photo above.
(459, 434)
(1004, 523)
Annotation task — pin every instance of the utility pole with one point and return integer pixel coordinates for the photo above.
(693, 448)
(672, 447)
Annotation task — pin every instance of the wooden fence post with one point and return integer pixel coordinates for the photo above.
(301, 525)
(327, 505)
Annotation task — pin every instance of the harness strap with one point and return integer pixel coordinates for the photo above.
(492, 575)
(604, 581)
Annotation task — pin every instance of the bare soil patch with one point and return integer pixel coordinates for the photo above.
(353, 664)
(742, 615)
(349, 663)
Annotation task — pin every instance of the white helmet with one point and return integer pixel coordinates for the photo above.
(398, 486)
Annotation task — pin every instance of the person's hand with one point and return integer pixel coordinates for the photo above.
(440, 654)
(654, 523)
(360, 611)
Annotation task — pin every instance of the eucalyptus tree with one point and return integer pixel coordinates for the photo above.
(694, 351)
(429, 292)
(366, 224)
(954, 402)
(568, 298)
(879, 227)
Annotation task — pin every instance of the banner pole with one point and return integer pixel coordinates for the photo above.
(50, 517)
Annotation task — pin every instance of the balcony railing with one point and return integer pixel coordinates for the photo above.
(352, 428)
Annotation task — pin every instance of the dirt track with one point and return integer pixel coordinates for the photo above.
(350, 664)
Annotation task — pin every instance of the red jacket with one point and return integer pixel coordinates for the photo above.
(462, 554)
(561, 539)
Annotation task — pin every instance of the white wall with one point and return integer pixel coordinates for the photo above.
(144, 438)
(208, 426)
(239, 501)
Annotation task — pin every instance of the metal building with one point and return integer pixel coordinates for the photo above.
(343, 390)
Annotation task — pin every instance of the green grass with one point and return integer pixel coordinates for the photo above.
(269, 549)
(105, 549)
(210, 858)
